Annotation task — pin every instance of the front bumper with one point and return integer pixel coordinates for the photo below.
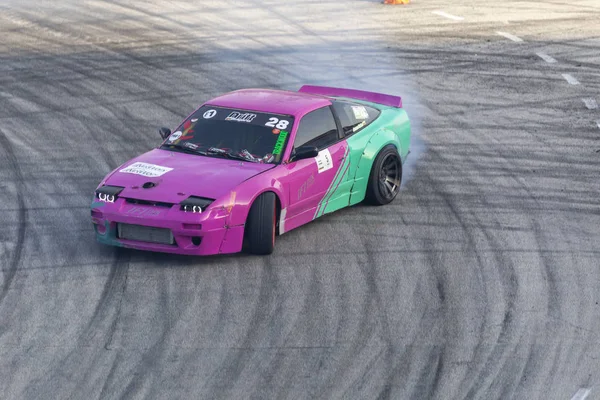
(203, 233)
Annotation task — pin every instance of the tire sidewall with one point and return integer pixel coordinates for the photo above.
(261, 223)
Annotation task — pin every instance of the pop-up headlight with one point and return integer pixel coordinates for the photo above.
(108, 194)
(195, 204)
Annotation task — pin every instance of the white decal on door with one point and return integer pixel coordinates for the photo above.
(324, 161)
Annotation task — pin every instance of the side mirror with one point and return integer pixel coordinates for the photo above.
(164, 132)
(303, 152)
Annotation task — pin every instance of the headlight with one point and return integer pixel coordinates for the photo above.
(195, 204)
(108, 194)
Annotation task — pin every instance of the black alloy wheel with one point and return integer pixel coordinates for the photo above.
(385, 178)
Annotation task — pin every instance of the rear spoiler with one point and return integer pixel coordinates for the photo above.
(379, 98)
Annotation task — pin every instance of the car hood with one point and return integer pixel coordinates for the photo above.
(168, 176)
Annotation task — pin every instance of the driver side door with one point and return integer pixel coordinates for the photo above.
(308, 181)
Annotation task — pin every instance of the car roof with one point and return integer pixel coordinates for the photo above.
(271, 101)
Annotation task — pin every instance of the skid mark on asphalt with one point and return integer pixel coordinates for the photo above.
(425, 388)
(374, 323)
(103, 322)
(239, 358)
(141, 383)
(115, 285)
(15, 259)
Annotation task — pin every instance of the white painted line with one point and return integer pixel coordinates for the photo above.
(590, 103)
(446, 15)
(581, 394)
(598, 123)
(571, 79)
(546, 58)
(509, 36)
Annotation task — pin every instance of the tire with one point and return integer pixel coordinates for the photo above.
(385, 178)
(261, 225)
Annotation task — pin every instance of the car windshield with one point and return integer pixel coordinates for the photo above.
(232, 133)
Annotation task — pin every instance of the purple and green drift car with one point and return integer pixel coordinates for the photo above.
(253, 164)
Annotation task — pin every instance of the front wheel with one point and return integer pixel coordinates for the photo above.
(385, 177)
(261, 224)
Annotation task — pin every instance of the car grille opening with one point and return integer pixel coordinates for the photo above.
(149, 203)
(142, 233)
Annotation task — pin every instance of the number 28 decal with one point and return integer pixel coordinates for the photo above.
(277, 123)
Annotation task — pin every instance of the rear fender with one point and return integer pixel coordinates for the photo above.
(380, 139)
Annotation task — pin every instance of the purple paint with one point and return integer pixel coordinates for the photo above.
(233, 184)
(271, 101)
(191, 174)
(379, 98)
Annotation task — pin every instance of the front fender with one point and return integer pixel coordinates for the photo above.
(242, 197)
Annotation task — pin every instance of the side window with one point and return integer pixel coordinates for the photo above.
(353, 116)
(317, 128)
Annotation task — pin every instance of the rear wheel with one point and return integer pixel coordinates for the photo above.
(261, 224)
(385, 177)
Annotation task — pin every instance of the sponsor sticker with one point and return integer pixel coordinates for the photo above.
(306, 185)
(358, 126)
(145, 169)
(175, 135)
(240, 117)
(209, 114)
(279, 143)
(324, 161)
(360, 112)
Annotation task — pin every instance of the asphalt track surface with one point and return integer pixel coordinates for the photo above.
(481, 281)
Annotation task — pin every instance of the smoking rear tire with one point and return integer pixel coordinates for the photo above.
(385, 178)
(260, 225)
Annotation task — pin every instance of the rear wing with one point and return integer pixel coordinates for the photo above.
(379, 98)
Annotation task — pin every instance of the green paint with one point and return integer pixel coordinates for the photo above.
(280, 142)
(96, 204)
(334, 188)
(109, 237)
(350, 183)
(393, 127)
